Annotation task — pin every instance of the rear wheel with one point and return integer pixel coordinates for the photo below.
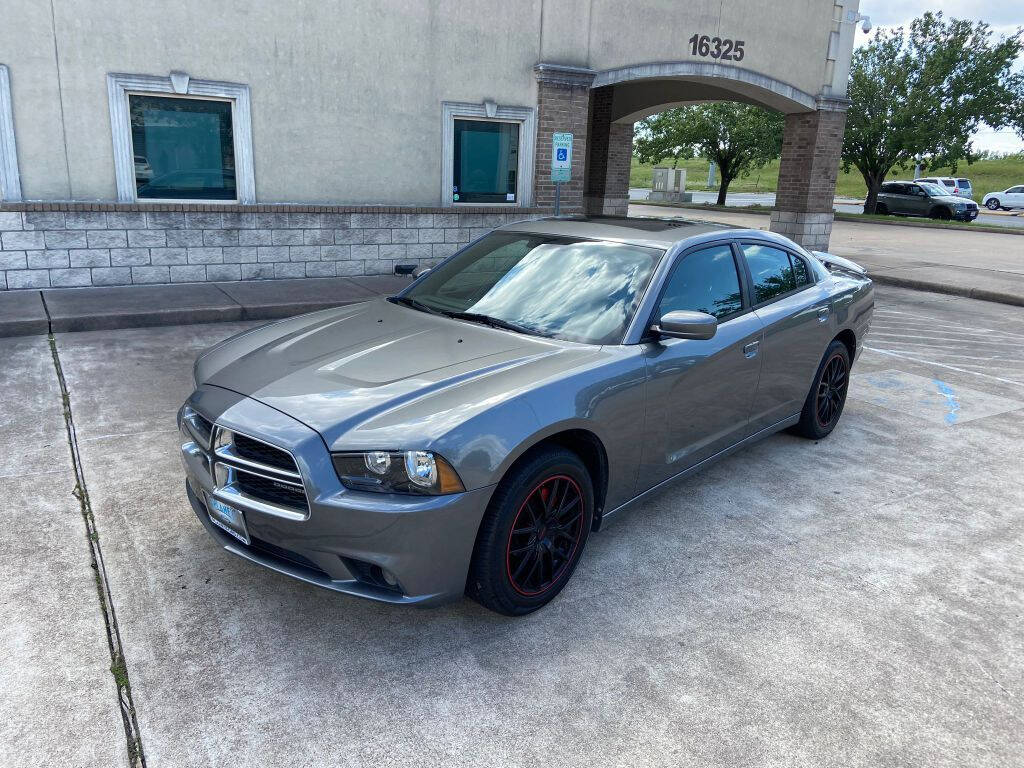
(825, 401)
(992, 204)
(882, 209)
(533, 533)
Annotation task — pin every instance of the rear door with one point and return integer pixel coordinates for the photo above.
(1014, 198)
(700, 392)
(899, 201)
(797, 316)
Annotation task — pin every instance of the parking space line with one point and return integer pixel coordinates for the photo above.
(940, 339)
(944, 365)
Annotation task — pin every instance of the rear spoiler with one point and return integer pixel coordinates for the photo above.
(835, 263)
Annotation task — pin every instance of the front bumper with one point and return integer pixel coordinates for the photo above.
(969, 214)
(425, 542)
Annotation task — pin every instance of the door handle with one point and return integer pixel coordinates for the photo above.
(750, 350)
(823, 314)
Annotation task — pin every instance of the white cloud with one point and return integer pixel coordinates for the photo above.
(1003, 16)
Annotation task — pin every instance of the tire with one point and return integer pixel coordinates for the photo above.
(818, 418)
(518, 566)
(882, 209)
(942, 214)
(992, 204)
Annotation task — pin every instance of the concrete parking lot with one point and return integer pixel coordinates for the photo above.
(856, 601)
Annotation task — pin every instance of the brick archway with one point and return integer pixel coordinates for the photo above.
(599, 108)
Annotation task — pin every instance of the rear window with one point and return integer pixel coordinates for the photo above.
(964, 182)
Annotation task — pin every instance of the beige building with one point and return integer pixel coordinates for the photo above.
(235, 120)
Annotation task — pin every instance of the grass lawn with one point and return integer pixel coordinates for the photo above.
(985, 175)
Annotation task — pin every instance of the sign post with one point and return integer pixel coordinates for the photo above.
(561, 164)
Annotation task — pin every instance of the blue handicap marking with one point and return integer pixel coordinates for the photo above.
(562, 154)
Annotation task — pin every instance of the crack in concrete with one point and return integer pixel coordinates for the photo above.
(118, 666)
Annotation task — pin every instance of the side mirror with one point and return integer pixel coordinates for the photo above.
(684, 324)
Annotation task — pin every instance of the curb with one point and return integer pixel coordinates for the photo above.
(981, 294)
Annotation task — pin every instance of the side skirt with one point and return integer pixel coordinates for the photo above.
(766, 432)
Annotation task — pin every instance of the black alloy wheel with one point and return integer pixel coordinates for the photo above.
(533, 532)
(831, 393)
(827, 397)
(545, 535)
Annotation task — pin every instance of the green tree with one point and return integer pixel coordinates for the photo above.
(738, 138)
(926, 92)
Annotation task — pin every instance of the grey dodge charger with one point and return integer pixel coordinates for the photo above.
(467, 435)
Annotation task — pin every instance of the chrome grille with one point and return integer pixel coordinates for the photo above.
(258, 473)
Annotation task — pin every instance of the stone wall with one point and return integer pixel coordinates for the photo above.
(67, 245)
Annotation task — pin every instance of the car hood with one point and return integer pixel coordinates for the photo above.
(954, 199)
(376, 367)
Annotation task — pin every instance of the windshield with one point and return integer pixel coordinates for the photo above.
(566, 288)
(933, 190)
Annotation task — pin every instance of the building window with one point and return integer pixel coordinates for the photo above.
(487, 154)
(182, 148)
(486, 161)
(176, 138)
(10, 180)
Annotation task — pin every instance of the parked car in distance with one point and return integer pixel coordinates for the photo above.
(1012, 197)
(467, 435)
(908, 198)
(954, 186)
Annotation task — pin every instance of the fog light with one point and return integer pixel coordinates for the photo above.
(389, 577)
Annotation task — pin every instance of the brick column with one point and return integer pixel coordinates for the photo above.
(606, 187)
(563, 105)
(811, 148)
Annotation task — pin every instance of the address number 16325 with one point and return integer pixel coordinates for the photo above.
(716, 47)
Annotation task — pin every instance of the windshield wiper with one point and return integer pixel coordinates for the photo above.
(495, 322)
(408, 301)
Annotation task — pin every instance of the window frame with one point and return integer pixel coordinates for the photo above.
(750, 276)
(180, 86)
(10, 178)
(677, 263)
(525, 117)
(660, 281)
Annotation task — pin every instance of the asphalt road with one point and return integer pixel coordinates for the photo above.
(855, 601)
(743, 199)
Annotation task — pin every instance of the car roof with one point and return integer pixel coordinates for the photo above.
(650, 232)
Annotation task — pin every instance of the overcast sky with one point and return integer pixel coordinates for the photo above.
(1004, 16)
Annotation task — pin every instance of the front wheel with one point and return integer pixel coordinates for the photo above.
(533, 533)
(825, 401)
(993, 204)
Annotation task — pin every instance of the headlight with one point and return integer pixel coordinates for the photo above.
(420, 472)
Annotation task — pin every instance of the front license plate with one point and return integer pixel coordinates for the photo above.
(227, 518)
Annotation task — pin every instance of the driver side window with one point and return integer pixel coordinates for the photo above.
(704, 281)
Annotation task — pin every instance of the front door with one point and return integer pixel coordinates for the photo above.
(700, 392)
(796, 315)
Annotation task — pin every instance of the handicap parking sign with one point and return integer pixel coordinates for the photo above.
(561, 156)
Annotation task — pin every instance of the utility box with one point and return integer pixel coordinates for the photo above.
(668, 185)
